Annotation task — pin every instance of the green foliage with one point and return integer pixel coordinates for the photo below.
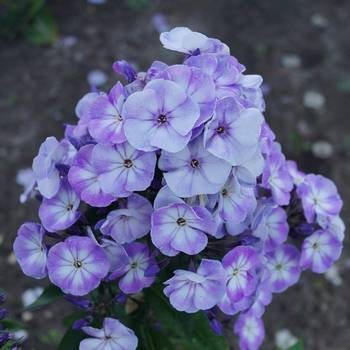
(298, 346)
(51, 338)
(179, 329)
(137, 4)
(50, 294)
(9, 345)
(12, 325)
(71, 340)
(29, 18)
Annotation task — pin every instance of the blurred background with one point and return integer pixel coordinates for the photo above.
(52, 51)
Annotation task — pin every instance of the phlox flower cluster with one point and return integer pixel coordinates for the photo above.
(178, 163)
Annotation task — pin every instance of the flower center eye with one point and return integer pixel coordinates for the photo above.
(162, 119)
(181, 221)
(69, 207)
(194, 163)
(134, 265)
(224, 192)
(220, 130)
(316, 245)
(119, 117)
(235, 272)
(78, 264)
(128, 163)
(279, 267)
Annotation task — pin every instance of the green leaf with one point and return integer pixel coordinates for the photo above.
(9, 345)
(42, 30)
(71, 340)
(12, 325)
(298, 346)
(188, 331)
(70, 319)
(50, 294)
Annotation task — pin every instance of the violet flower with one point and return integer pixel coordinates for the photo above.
(180, 228)
(61, 211)
(233, 134)
(122, 169)
(201, 290)
(127, 224)
(112, 336)
(160, 116)
(77, 265)
(105, 119)
(319, 197)
(132, 270)
(193, 170)
(283, 267)
(30, 251)
(85, 180)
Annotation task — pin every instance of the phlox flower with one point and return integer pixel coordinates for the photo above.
(226, 72)
(251, 331)
(320, 250)
(184, 40)
(112, 336)
(30, 251)
(319, 197)
(181, 228)
(282, 267)
(82, 111)
(201, 290)
(230, 308)
(233, 134)
(77, 265)
(240, 265)
(162, 116)
(197, 84)
(128, 223)
(61, 211)
(132, 269)
(235, 201)
(277, 178)
(122, 169)
(106, 122)
(84, 178)
(194, 170)
(45, 172)
(270, 225)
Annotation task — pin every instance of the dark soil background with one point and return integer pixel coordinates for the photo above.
(300, 48)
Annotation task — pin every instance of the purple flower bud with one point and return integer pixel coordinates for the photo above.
(3, 313)
(125, 69)
(80, 302)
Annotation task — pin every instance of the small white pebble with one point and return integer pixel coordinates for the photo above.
(96, 77)
(21, 335)
(303, 127)
(30, 295)
(332, 275)
(313, 99)
(284, 339)
(322, 149)
(68, 41)
(290, 61)
(11, 259)
(48, 314)
(319, 20)
(24, 177)
(27, 316)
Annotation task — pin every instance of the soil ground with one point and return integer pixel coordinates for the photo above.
(41, 84)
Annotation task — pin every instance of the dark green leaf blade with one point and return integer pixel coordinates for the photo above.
(71, 340)
(50, 294)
